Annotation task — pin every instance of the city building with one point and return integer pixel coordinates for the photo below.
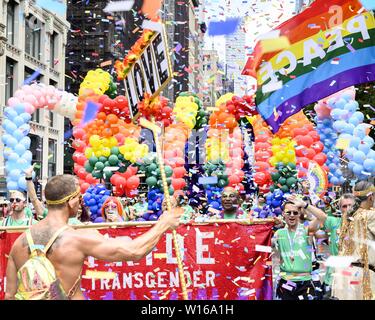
(35, 40)
(213, 76)
(185, 31)
(235, 56)
(302, 5)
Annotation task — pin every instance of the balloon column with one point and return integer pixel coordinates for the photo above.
(263, 153)
(353, 134)
(16, 145)
(328, 136)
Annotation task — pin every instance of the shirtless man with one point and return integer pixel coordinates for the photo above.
(72, 247)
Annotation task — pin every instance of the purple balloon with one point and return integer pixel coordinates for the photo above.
(99, 220)
(153, 217)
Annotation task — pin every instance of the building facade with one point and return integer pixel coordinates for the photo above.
(35, 40)
(235, 56)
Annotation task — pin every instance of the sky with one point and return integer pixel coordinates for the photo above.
(258, 16)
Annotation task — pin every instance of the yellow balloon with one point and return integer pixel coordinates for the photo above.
(94, 141)
(106, 152)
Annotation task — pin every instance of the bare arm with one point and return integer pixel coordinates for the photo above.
(95, 245)
(320, 216)
(11, 276)
(38, 206)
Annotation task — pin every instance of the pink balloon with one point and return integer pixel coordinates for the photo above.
(30, 98)
(12, 102)
(19, 94)
(42, 102)
(29, 108)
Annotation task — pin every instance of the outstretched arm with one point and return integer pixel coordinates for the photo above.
(38, 206)
(96, 245)
(11, 276)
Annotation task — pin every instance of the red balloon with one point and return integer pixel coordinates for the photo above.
(300, 132)
(233, 180)
(263, 155)
(317, 146)
(261, 166)
(121, 182)
(306, 140)
(309, 153)
(262, 146)
(82, 173)
(179, 172)
(240, 187)
(260, 178)
(178, 184)
(79, 133)
(132, 183)
(84, 187)
(90, 179)
(320, 158)
(262, 138)
(303, 162)
(314, 135)
(300, 151)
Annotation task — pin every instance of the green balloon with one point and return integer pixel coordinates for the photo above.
(152, 167)
(272, 188)
(282, 181)
(169, 181)
(168, 171)
(106, 164)
(113, 160)
(122, 169)
(120, 157)
(221, 183)
(291, 181)
(93, 160)
(97, 174)
(151, 181)
(99, 166)
(275, 176)
(103, 159)
(89, 167)
(171, 191)
(115, 150)
(107, 173)
(285, 189)
(291, 166)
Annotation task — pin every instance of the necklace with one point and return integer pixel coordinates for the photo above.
(291, 242)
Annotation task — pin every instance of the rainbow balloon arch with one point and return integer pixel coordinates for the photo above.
(108, 145)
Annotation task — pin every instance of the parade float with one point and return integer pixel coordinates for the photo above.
(125, 144)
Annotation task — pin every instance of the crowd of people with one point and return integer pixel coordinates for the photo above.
(344, 226)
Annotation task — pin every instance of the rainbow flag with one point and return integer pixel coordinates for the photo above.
(332, 46)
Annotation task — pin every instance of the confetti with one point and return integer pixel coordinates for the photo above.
(220, 28)
(119, 6)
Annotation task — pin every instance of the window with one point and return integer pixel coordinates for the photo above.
(51, 120)
(36, 148)
(9, 81)
(11, 14)
(52, 150)
(32, 37)
(53, 46)
(28, 73)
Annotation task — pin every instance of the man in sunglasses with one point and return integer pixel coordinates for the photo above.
(69, 248)
(19, 214)
(295, 247)
(331, 228)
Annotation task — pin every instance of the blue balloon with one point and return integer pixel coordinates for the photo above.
(342, 180)
(359, 157)
(10, 113)
(146, 216)
(348, 128)
(20, 149)
(10, 128)
(340, 103)
(339, 125)
(15, 174)
(14, 157)
(215, 205)
(368, 140)
(18, 121)
(351, 165)
(359, 115)
(355, 142)
(357, 169)
(22, 183)
(332, 167)
(359, 132)
(334, 180)
(336, 114)
(18, 135)
(365, 148)
(26, 117)
(99, 220)
(12, 185)
(28, 156)
(371, 154)
(354, 121)
(153, 217)
(369, 165)
(20, 108)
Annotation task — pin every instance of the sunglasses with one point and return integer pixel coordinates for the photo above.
(18, 200)
(346, 206)
(294, 213)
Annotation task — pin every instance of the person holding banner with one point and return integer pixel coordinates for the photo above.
(295, 246)
(67, 249)
(231, 202)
